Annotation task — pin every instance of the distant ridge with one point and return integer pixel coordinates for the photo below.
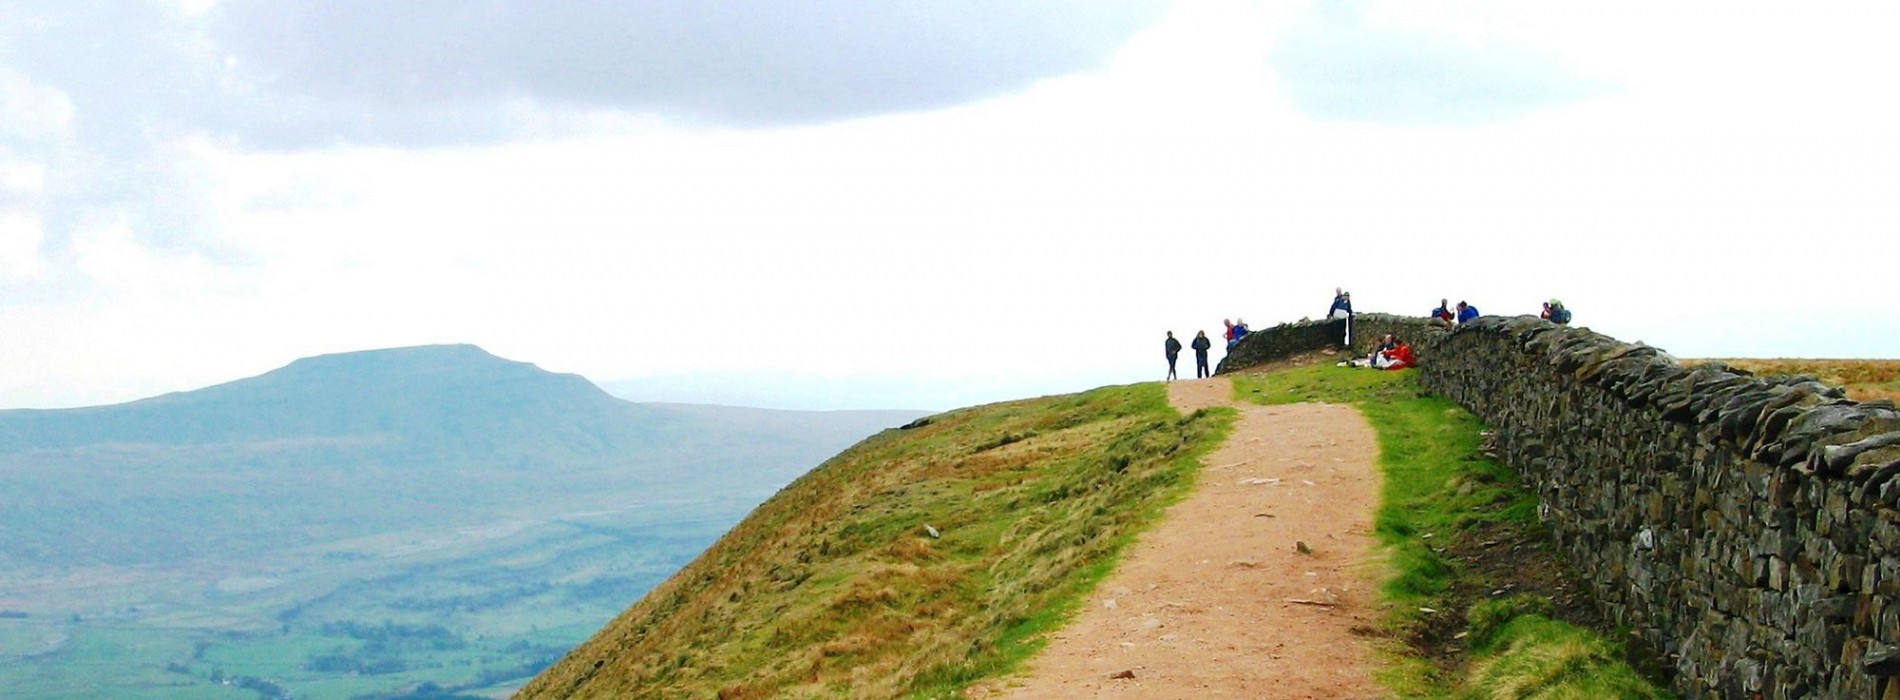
(356, 443)
(381, 521)
(400, 398)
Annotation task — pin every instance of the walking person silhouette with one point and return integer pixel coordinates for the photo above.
(1200, 345)
(1174, 352)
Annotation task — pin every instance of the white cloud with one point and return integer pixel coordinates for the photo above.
(20, 261)
(30, 112)
(1041, 240)
(1337, 65)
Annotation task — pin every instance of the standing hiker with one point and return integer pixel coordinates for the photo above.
(1342, 304)
(1174, 351)
(1200, 345)
(1342, 310)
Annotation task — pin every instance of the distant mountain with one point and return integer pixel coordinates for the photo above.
(421, 402)
(360, 443)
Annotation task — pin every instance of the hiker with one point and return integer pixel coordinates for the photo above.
(1173, 347)
(1466, 313)
(1391, 353)
(1443, 312)
(1399, 357)
(1555, 312)
(1237, 332)
(1228, 336)
(1386, 344)
(1342, 305)
(1200, 345)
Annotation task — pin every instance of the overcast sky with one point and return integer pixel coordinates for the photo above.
(916, 203)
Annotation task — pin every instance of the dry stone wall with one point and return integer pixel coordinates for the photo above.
(1289, 339)
(1279, 342)
(1747, 527)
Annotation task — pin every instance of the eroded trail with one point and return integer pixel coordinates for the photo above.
(1218, 600)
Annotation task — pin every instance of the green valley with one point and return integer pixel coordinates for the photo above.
(424, 522)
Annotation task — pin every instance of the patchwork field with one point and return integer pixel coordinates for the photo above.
(469, 612)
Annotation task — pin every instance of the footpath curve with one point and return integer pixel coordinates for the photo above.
(1219, 600)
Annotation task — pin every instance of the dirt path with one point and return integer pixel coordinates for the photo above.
(1217, 601)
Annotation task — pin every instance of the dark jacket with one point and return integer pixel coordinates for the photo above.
(1174, 347)
(1340, 303)
(1201, 344)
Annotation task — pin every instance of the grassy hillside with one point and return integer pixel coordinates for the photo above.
(838, 586)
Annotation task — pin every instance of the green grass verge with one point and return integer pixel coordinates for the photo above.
(1439, 489)
(837, 586)
(1523, 655)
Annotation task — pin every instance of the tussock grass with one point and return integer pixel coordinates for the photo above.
(1533, 657)
(835, 588)
(1864, 380)
(1439, 492)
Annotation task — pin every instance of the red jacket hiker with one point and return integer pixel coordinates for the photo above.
(1402, 357)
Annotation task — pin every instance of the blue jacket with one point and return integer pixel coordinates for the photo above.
(1340, 303)
(1469, 313)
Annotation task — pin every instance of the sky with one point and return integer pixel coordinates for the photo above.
(914, 203)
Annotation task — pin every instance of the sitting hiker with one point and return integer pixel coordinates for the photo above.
(1385, 344)
(1391, 353)
(1239, 331)
(1443, 312)
(1342, 304)
(1399, 357)
(1466, 313)
(1555, 312)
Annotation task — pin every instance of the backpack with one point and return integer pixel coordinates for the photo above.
(1560, 316)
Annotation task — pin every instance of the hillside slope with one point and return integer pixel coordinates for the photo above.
(360, 443)
(911, 564)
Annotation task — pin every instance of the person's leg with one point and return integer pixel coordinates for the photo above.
(1171, 359)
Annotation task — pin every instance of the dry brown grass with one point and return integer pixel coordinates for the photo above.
(834, 588)
(1864, 380)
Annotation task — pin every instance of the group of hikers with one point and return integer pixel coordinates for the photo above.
(1200, 345)
(1390, 353)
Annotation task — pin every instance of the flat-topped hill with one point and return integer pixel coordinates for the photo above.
(363, 525)
(346, 445)
(419, 400)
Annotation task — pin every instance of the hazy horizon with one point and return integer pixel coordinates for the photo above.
(942, 202)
